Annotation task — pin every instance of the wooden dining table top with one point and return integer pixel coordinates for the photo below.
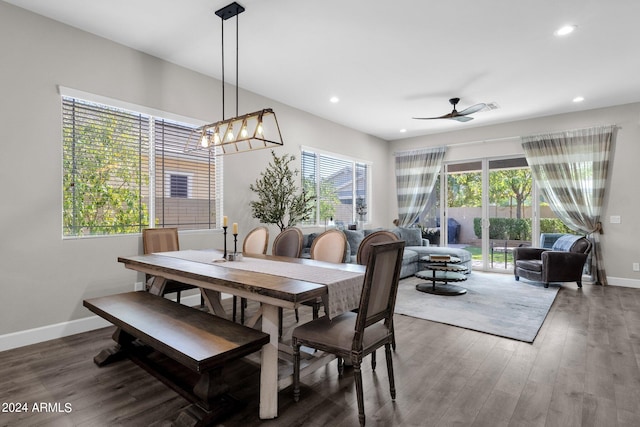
(217, 277)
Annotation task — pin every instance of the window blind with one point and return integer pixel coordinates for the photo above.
(340, 186)
(118, 170)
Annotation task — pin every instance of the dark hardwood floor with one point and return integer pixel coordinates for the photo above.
(582, 370)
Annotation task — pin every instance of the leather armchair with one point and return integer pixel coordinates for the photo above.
(564, 262)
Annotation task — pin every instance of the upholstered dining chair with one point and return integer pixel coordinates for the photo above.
(255, 242)
(376, 237)
(351, 335)
(288, 243)
(362, 258)
(329, 246)
(163, 240)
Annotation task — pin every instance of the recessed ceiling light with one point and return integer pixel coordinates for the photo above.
(567, 29)
(403, 130)
(578, 99)
(334, 99)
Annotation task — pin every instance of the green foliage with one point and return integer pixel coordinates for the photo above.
(102, 179)
(553, 225)
(327, 200)
(276, 189)
(518, 229)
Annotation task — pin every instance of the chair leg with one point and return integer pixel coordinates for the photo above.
(357, 375)
(393, 335)
(340, 367)
(392, 382)
(296, 370)
(178, 297)
(579, 282)
(546, 284)
(243, 305)
(280, 316)
(373, 360)
(297, 316)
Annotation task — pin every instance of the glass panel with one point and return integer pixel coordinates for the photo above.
(464, 207)
(510, 210)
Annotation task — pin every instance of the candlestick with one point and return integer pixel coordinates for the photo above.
(224, 227)
(235, 243)
(235, 228)
(225, 221)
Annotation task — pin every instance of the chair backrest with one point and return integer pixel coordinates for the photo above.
(288, 243)
(256, 241)
(160, 240)
(365, 245)
(378, 298)
(330, 246)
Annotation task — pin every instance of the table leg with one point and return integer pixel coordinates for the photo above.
(213, 300)
(269, 365)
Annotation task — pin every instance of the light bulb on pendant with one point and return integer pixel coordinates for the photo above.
(230, 132)
(216, 138)
(259, 129)
(204, 141)
(243, 131)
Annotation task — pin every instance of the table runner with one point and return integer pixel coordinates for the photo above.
(343, 287)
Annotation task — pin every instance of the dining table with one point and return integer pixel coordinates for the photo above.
(274, 281)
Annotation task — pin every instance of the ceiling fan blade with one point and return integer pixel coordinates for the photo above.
(462, 118)
(472, 109)
(446, 116)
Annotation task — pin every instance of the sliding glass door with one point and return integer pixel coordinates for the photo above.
(486, 209)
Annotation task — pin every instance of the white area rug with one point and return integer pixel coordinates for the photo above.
(494, 303)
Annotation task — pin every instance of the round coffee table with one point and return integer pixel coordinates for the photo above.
(441, 273)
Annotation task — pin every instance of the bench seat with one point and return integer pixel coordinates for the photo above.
(197, 340)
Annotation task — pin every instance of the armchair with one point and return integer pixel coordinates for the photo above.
(564, 262)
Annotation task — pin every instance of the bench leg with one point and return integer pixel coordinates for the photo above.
(115, 353)
(210, 385)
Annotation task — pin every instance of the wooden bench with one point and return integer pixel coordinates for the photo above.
(198, 341)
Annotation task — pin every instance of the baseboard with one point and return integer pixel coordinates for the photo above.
(72, 327)
(621, 281)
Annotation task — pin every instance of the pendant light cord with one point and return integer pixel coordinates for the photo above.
(237, 50)
(222, 38)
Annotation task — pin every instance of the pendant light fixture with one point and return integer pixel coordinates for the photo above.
(253, 131)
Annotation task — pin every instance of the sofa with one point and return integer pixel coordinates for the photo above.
(416, 247)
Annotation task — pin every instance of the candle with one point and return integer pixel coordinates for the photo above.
(225, 221)
(235, 228)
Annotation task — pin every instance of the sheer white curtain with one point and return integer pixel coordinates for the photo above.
(416, 174)
(571, 171)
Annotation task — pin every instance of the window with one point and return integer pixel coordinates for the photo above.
(122, 168)
(341, 187)
(178, 185)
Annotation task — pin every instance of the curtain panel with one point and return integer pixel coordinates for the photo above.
(416, 174)
(571, 170)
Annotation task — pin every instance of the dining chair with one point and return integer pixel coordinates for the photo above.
(163, 240)
(362, 257)
(288, 243)
(353, 336)
(255, 242)
(329, 246)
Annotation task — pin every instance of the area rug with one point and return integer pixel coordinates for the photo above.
(494, 303)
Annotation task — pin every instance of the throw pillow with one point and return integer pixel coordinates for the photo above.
(411, 236)
(354, 237)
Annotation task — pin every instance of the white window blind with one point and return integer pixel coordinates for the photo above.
(114, 167)
(340, 186)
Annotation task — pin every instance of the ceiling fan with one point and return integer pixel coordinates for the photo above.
(461, 116)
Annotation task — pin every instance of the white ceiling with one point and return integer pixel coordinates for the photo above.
(390, 60)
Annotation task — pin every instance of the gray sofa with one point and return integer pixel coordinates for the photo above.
(415, 248)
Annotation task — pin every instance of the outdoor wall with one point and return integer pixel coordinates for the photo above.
(44, 278)
(619, 241)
